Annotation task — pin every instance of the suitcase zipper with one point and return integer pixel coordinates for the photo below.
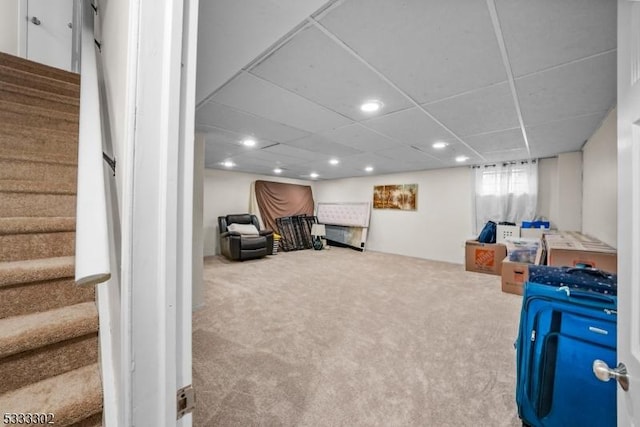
(533, 335)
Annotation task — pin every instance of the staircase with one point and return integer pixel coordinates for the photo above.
(48, 325)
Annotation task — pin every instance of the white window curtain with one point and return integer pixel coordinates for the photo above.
(506, 192)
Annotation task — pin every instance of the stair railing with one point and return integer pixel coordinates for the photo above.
(92, 233)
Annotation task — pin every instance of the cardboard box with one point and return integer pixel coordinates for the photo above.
(533, 233)
(514, 274)
(484, 257)
(573, 249)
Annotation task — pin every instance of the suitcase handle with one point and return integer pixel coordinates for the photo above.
(573, 293)
(589, 270)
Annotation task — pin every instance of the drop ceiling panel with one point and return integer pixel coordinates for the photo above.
(480, 111)
(496, 141)
(407, 154)
(304, 95)
(507, 155)
(259, 97)
(431, 49)
(360, 138)
(448, 155)
(562, 136)
(299, 153)
(445, 155)
(410, 127)
(327, 171)
(360, 161)
(273, 159)
(223, 117)
(320, 144)
(539, 35)
(315, 67)
(232, 33)
(221, 136)
(579, 88)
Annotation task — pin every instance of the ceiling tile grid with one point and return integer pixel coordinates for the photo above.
(261, 98)
(543, 34)
(410, 127)
(223, 117)
(497, 141)
(476, 112)
(438, 70)
(315, 67)
(360, 137)
(575, 89)
(417, 41)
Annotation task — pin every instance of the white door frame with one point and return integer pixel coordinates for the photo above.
(157, 211)
(629, 208)
(23, 11)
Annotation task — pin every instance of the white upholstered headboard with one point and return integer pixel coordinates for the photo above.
(346, 214)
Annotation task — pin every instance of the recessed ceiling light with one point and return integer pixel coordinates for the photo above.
(228, 164)
(249, 142)
(277, 170)
(313, 175)
(334, 161)
(371, 106)
(369, 169)
(461, 159)
(439, 145)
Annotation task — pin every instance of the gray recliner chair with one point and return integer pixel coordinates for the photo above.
(242, 239)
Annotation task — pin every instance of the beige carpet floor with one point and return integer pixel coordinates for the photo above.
(343, 338)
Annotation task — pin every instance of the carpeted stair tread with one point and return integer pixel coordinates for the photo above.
(37, 205)
(92, 421)
(24, 333)
(35, 238)
(60, 158)
(40, 187)
(37, 118)
(16, 247)
(39, 82)
(49, 341)
(37, 171)
(37, 98)
(26, 298)
(73, 396)
(28, 225)
(35, 365)
(36, 270)
(16, 62)
(16, 136)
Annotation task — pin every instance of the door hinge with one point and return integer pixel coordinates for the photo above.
(186, 400)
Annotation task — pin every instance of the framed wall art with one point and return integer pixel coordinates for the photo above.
(401, 197)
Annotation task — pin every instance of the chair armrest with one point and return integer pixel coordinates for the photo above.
(230, 234)
(265, 232)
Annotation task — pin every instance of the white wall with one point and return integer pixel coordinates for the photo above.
(112, 29)
(238, 31)
(225, 193)
(569, 184)
(113, 33)
(198, 212)
(548, 189)
(436, 230)
(439, 227)
(600, 182)
(9, 26)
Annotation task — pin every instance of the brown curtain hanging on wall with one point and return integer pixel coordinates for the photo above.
(277, 199)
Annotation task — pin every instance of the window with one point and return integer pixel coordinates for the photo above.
(506, 192)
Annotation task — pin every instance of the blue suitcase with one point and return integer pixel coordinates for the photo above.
(585, 278)
(562, 331)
